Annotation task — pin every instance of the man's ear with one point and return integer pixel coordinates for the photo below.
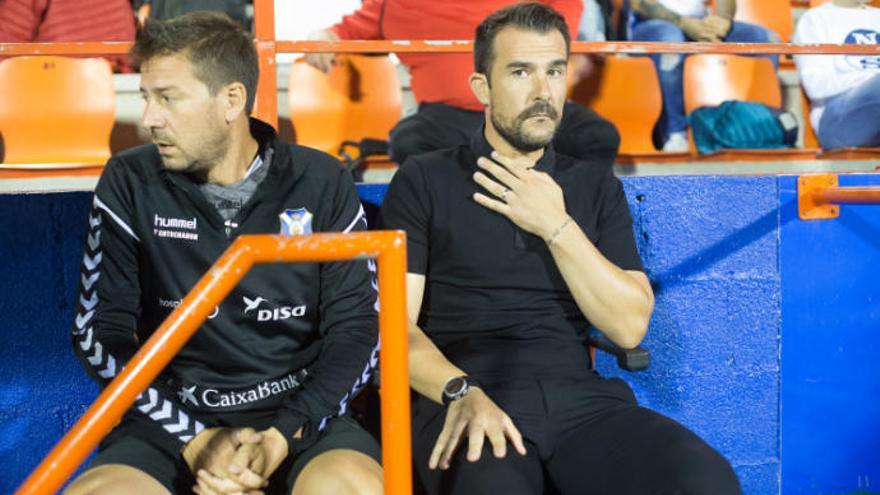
(480, 87)
(234, 99)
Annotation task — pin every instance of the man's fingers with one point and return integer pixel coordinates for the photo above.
(452, 442)
(512, 165)
(238, 468)
(250, 480)
(243, 457)
(201, 489)
(490, 185)
(476, 438)
(507, 176)
(492, 204)
(498, 441)
(514, 436)
(246, 435)
(217, 484)
(439, 445)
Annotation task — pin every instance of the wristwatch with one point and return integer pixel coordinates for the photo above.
(456, 388)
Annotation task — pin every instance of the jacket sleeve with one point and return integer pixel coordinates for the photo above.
(108, 305)
(348, 329)
(362, 24)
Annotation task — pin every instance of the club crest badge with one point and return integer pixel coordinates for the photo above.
(296, 222)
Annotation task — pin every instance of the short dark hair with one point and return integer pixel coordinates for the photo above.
(220, 51)
(528, 16)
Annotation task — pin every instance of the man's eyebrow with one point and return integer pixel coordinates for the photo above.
(558, 62)
(160, 89)
(519, 65)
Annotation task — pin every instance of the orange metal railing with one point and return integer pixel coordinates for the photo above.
(819, 196)
(389, 248)
(266, 108)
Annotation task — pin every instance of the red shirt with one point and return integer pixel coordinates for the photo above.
(436, 77)
(66, 20)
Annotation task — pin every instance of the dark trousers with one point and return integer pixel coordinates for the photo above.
(582, 133)
(584, 436)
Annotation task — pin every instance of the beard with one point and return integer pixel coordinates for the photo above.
(515, 134)
(211, 150)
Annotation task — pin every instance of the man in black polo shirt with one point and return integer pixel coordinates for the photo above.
(513, 252)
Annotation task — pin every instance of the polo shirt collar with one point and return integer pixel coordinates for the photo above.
(481, 147)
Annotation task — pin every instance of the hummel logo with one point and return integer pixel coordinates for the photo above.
(252, 304)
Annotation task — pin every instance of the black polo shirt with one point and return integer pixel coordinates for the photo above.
(495, 302)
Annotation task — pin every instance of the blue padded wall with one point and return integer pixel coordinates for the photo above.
(43, 390)
(710, 246)
(831, 343)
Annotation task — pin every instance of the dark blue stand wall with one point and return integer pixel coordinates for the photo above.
(727, 256)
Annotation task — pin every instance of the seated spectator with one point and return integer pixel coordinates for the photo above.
(23, 21)
(513, 251)
(686, 20)
(594, 21)
(448, 114)
(844, 90)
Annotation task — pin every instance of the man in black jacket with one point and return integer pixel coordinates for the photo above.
(257, 399)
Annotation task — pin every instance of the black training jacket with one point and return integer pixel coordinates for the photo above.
(293, 342)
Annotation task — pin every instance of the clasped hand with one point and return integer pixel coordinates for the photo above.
(234, 460)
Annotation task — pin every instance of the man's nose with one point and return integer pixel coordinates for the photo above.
(151, 117)
(541, 87)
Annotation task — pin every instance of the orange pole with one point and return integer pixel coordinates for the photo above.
(66, 48)
(847, 195)
(212, 288)
(394, 376)
(437, 46)
(633, 47)
(266, 108)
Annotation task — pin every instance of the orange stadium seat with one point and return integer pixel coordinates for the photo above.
(56, 112)
(713, 79)
(773, 14)
(625, 91)
(360, 98)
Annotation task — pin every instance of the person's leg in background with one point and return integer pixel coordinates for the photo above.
(584, 134)
(434, 126)
(671, 130)
(850, 119)
(743, 32)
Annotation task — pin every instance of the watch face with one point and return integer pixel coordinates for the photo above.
(455, 386)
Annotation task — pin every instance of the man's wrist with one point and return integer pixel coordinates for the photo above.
(559, 227)
(457, 387)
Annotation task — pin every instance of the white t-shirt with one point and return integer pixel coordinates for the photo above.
(824, 76)
(690, 8)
